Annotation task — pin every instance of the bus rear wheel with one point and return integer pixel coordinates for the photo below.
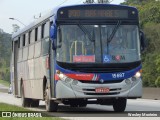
(34, 103)
(51, 106)
(119, 105)
(25, 101)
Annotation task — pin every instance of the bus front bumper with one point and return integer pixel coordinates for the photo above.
(128, 88)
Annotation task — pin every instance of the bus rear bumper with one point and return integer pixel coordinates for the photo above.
(127, 88)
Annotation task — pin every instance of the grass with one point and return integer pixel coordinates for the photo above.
(7, 107)
(5, 83)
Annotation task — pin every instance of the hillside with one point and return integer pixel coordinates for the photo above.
(5, 51)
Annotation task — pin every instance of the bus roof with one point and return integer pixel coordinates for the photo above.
(53, 12)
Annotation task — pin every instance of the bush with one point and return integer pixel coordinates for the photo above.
(157, 82)
(7, 75)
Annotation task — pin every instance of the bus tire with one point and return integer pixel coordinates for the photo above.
(34, 103)
(25, 101)
(73, 104)
(51, 106)
(119, 105)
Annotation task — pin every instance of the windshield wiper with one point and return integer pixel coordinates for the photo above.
(113, 32)
(112, 35)
(85, 31)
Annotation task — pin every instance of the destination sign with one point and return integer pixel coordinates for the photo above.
(97, 14)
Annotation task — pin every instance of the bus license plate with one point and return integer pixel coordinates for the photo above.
(102, 90)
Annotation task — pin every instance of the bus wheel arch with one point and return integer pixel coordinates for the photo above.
(50, 104)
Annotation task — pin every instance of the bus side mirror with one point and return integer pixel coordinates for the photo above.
(53, 35)
(142, 41)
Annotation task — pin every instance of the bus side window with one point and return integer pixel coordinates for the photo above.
(39, 33)
(36, 34)
(29, 37)
(45, 46)
(37, 46)
(42, 31)
(32, 37)
(19, 42)
(46, 29)
(26, 39)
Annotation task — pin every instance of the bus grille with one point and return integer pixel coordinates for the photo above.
(98, 82)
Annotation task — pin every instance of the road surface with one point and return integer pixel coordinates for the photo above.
(91, 109)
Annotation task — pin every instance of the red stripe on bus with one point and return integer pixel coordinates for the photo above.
(56, 77)
(87, 77)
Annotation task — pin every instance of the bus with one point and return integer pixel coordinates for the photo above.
(78, 55)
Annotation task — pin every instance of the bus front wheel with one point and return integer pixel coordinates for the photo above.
(51, 106)
(34, 103)
(119, 105)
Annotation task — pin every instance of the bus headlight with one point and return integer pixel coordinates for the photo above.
(65, 78)
(138, 74)
(62, 76)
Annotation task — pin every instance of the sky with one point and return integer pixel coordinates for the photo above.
(25, 10)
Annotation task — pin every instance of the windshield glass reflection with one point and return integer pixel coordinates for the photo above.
(94, 44)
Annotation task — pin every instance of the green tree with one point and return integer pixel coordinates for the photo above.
(5, 52)
(149, 12)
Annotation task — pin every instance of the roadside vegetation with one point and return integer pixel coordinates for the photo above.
(149, 11)
(5, 54)
(7, 107)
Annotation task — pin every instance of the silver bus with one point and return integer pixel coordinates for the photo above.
(79, 55)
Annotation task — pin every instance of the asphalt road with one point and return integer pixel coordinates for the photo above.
(3, 88)
(92, 110)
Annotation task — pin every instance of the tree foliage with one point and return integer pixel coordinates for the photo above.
(5, 51)
(149, 12)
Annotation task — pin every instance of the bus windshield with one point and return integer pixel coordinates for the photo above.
(98, 44)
